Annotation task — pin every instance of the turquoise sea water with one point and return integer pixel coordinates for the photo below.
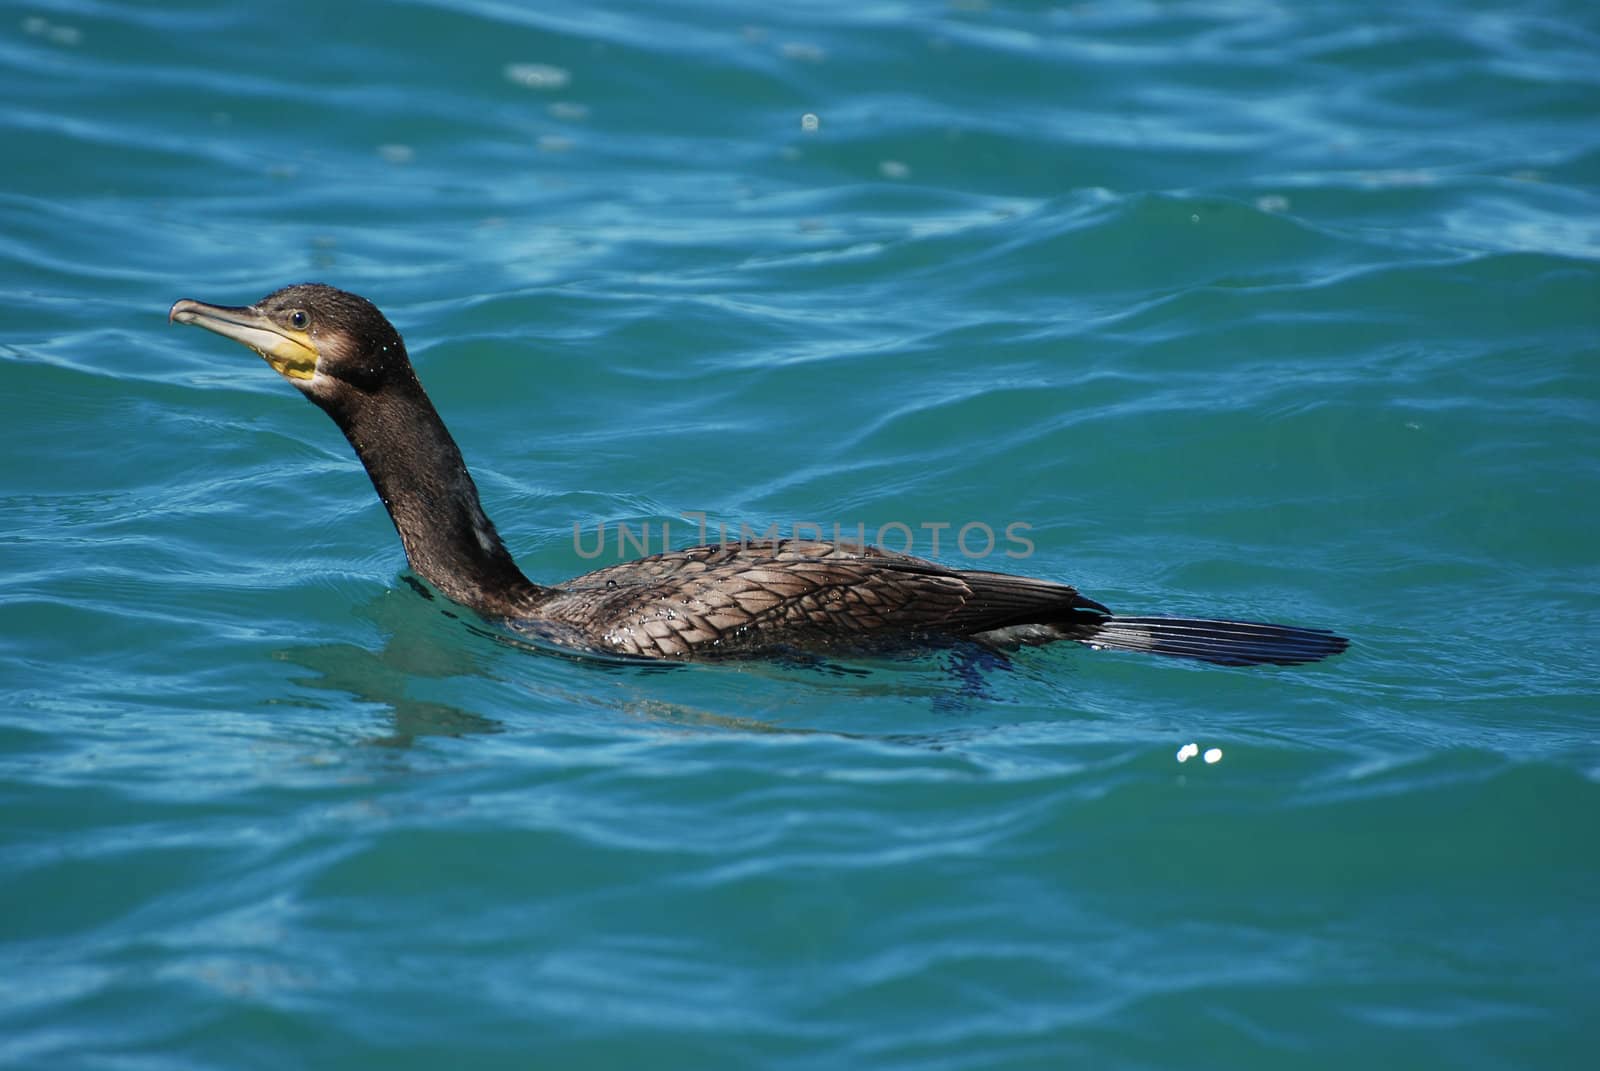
(1279, 311)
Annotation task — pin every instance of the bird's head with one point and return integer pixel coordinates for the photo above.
(326, 341)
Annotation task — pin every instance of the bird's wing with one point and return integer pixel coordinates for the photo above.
(739, 597)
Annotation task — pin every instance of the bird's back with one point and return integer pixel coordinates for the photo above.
(741, 598)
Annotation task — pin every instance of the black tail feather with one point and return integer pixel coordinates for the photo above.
(1224, 643)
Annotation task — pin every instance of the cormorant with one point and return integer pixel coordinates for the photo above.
(741, 599)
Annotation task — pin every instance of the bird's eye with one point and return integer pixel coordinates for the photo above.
(298, 319)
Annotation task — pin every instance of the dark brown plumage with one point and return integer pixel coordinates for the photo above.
(728, 600)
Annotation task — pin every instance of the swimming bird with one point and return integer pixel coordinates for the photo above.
(755, 598)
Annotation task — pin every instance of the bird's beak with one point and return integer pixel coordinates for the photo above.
(292, 354)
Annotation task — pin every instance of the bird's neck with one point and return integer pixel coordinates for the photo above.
(419, 474)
